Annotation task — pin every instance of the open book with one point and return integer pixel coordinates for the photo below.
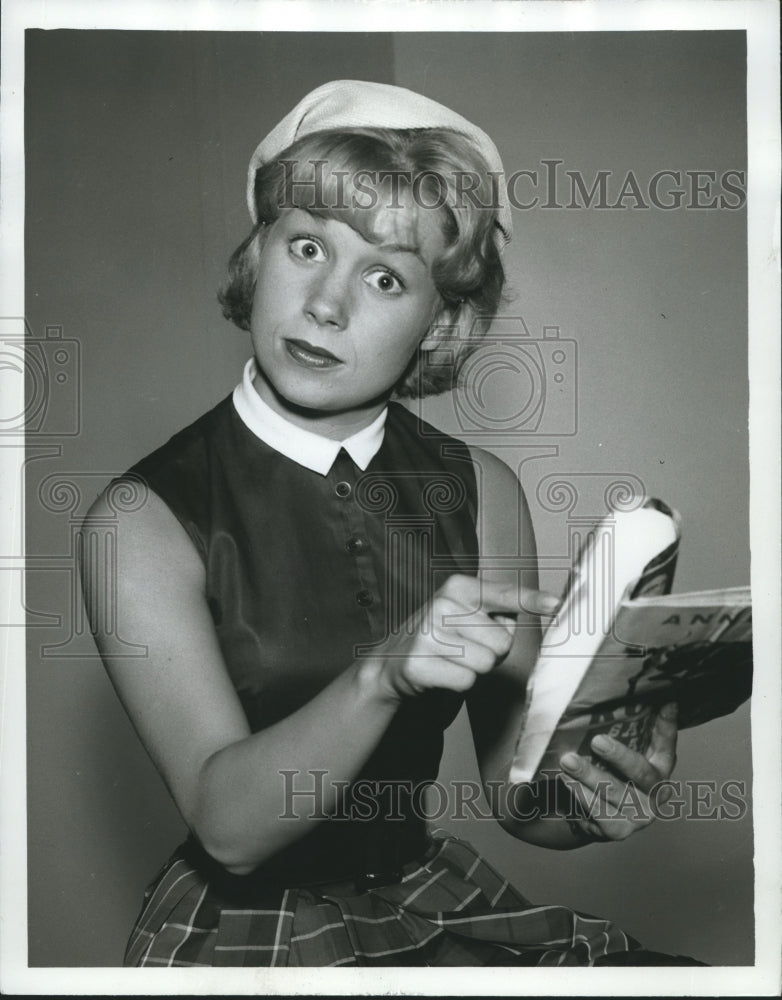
(622, 646)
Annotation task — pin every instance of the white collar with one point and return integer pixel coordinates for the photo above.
(310, 450)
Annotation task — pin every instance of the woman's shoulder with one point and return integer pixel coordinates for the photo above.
(167, 485)
(490, 469)
(413, 423)
(425, 443)
(493, 473)
(504, 520)
(495, 495)
(188, 447)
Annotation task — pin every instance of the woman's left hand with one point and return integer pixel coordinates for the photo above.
(617, 803)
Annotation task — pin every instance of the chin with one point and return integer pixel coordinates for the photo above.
(312, 399)
(324, 393)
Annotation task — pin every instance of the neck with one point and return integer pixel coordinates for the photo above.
(335, 425)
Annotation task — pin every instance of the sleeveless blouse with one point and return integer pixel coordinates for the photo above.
(306, 573)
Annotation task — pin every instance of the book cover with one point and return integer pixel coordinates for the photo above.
(622, 646)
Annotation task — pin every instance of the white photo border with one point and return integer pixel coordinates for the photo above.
(759, 19)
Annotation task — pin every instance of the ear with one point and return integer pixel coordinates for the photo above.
(441, 328)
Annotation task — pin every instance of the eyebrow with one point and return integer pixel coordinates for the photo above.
(410, 248)
(403, 248)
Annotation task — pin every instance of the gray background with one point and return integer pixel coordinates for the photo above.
(136, 149)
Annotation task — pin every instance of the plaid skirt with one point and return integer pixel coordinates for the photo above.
(450, 908)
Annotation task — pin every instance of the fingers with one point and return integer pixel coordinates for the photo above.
(662, 748)
(468, 633)
(612, 809)
(616, 802)
(463, 632)
(450, 647)
(630, 764)
(434, 672)
(495, 597)
(422, 673)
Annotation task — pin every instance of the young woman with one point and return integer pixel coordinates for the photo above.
(312, 576)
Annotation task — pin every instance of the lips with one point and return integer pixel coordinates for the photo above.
(310, 356)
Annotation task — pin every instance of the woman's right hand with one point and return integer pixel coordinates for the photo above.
(461, 633)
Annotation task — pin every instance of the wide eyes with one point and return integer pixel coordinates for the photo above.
(385, 281)
(306, 248)
(381, 279)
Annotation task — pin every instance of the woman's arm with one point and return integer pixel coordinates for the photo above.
(495, 704)
(225, 780)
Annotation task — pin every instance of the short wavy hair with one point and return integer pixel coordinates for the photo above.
(444, 172)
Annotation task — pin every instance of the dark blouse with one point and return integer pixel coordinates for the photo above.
(305, 573)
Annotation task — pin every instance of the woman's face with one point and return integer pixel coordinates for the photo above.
(336, 319)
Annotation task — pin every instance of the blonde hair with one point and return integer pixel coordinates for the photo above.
(326, 173)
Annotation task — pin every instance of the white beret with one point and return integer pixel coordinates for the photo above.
(359, 103)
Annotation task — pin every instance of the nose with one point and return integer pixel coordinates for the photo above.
(327, 302)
